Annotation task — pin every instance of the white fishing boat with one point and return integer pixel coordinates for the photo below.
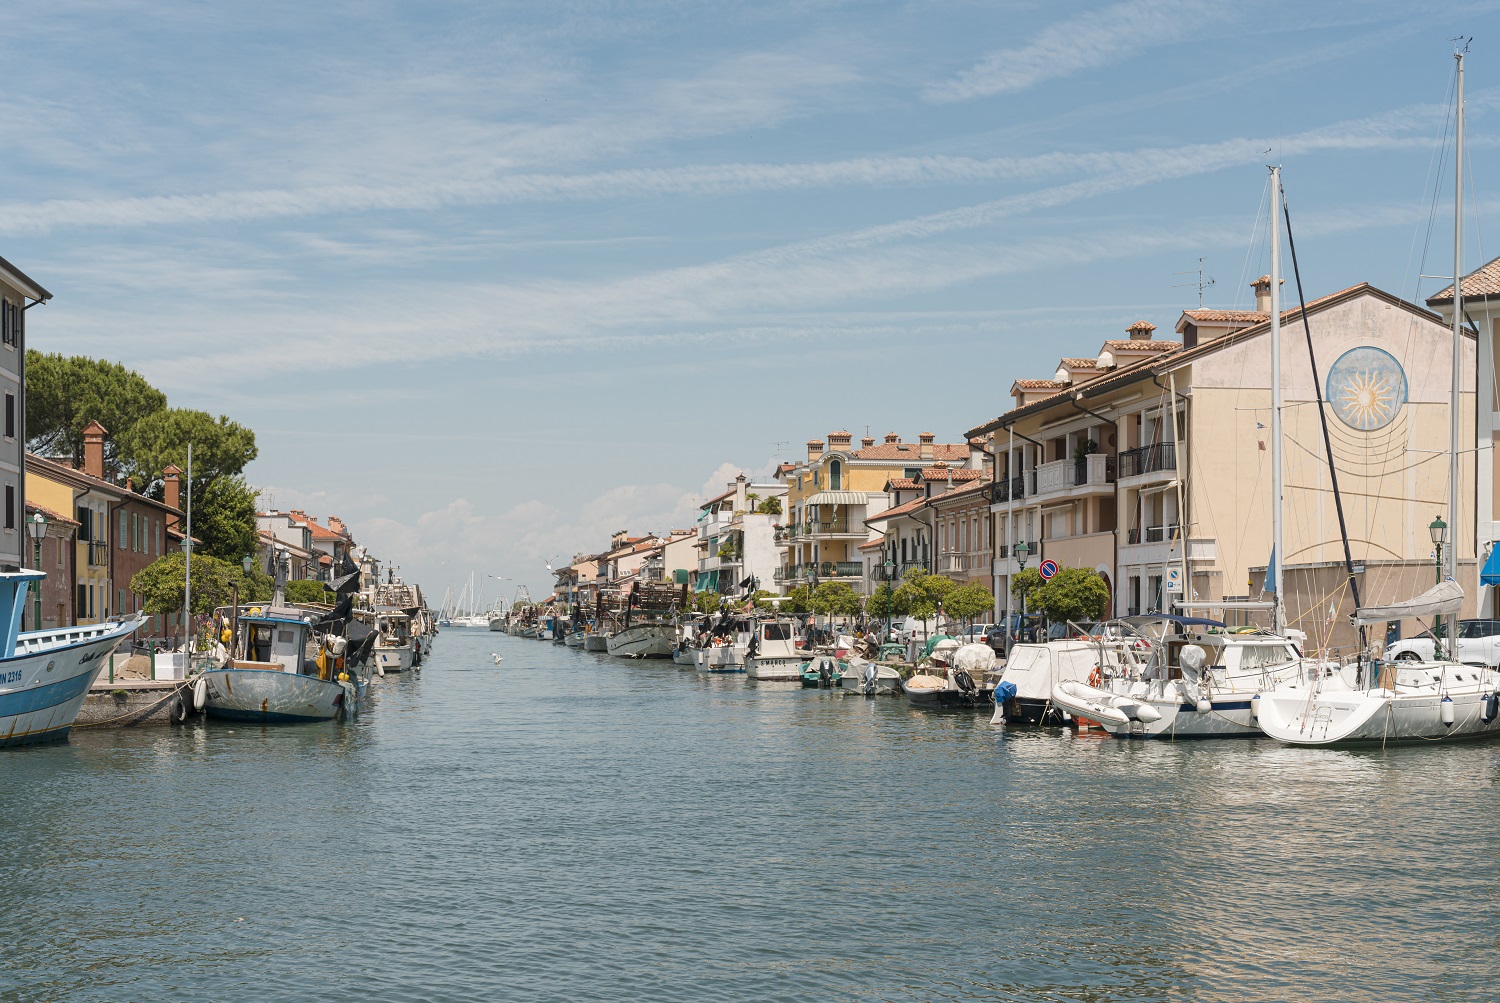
(595, 642)
(45, 674)
(642, 640)
(772, 654)
(394, 649)
(288, 673)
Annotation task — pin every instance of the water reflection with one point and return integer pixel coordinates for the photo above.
(566, 825)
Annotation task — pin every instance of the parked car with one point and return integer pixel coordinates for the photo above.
(1081, 628)
(1022, 628)
(975, 634)
(1478, 644)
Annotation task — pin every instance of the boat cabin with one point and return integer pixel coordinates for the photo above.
(271, 642)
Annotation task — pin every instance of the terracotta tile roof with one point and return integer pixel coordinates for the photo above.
(51, 515)
(62, 472)
(1227, 316)
(889, 513)
(1142, 345)
(967, 489)
(1481, 282)
(902, 484)
(717, 498)
(912, 451)
(1079, 363)
(959, 474)
(872, 545)
(1142, 325)
(1043, 384)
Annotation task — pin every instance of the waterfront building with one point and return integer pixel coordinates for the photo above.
(834, 492)
(117, 532)
(55, 553)
(1152, 466)
(18, 292)
(737, 538)
(933, 520)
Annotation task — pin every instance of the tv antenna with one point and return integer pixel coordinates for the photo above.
(780, 448)
(1200, 282)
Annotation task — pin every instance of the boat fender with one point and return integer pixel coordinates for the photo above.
(1204, 705)
(1447, 710)
(178, 710)
(200, 694)
(1491, 707)
(1255, 707)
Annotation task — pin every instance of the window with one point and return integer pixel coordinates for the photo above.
(83, 600)
(10, 416)
(10, 323)
(119, 600)
(85, 524)
(10, 506)
(60, 551)
(120, 537)
(158, 537)
(835, 475)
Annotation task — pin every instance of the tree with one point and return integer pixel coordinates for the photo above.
(799, 600)
(304, 590)
(1072, 594)
(969, 601)
(65, 393)
(886, 602)
(707, 602)
(224, 519)
(1024, 585)
(922, 593)
(771, 506)
(221, 448)
(160, 583)
(835, 599)
(761, 597)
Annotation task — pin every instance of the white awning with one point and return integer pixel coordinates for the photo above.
(1442, 599)
(837, 498)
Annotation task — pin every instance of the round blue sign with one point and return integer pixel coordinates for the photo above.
(1047, 570)
(1366, 388)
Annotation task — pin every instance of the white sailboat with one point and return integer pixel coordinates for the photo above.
(1402, 701)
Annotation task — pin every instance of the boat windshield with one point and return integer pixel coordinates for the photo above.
(777, 632)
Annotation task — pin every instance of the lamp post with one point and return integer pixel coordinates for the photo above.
(1438, 529)
(246, 561)
(37, 527)
(890, 590)
(1022, 550)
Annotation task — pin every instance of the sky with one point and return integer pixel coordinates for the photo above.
(493, 280)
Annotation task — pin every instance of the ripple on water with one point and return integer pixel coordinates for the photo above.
(569, 826)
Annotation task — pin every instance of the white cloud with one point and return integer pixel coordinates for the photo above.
(1078, 43)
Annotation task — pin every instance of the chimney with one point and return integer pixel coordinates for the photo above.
(337, 525)
(891, 438)
(93, 449)
(1262, 287)
(867, 442)
(172, 490)
(839, 441)
(814, 449)
(739, 493)
(1140, 330)
(926, 438)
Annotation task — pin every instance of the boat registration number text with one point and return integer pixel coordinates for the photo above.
(13, 676)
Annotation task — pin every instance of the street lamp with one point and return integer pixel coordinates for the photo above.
(37, 527)
(890, 590)
(1022, 550)
(246, 561)
(1438, 529)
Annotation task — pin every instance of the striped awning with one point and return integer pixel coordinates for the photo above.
(837, 498)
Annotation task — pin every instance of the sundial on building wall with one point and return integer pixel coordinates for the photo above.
(1366, 388)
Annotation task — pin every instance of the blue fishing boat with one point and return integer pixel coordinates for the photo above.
(45, 674)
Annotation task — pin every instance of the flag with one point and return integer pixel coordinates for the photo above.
(1270, 583)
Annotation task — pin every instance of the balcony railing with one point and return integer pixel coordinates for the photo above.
(810, 570)
(1152, 534)
(98, 554)
(957, 561)
(1010, 489)
(835, 527)
(1148, 459)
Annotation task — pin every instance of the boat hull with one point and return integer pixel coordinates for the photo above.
(393, 659)
(774, 669)
(948, 699)
(595, 642)
(1300, 716)
(44, 684)
(642, 641)
(269, 697)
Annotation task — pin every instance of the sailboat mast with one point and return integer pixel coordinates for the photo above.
(1278, 548)
(1458, 327)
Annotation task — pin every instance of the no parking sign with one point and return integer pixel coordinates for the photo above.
(1047, 569)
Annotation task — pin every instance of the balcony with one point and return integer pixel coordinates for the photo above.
(835, 528)
(98, 554)
(1096, 470)
(1152, 534)
(1148, 459)
(811, 571)
(1011, 489)
(963, 562)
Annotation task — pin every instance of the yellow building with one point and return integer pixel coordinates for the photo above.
(832, 493)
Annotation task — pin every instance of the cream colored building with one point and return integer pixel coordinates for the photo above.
(1154, 463)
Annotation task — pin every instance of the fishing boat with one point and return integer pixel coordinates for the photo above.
(279, 668)
(641, 640)
(595, 642)
(647, 622)
(394, 648)
(45, 674)
(772, 654)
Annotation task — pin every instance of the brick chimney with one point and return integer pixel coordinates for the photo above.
(926, 439)
(1140, 330)
(839, 441)
(93, 449)
(867, 442)
(891, 438)
(1262, 287)
(172, 490)
(814, 449)
(337, 525)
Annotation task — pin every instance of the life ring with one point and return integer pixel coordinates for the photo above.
(1096, 679)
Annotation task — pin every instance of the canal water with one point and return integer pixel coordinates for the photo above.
(566, 826)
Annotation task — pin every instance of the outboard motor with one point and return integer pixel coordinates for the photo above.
(868, 677)
(825, 674)
(965, 684)
(1491, 708)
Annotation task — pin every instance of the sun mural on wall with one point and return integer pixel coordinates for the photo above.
(1366, 388)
